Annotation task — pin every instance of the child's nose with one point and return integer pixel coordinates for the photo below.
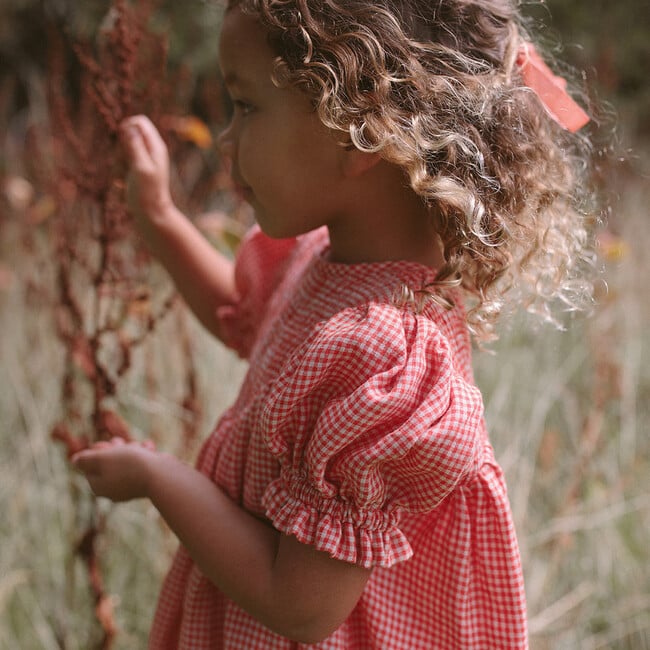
(226, 143)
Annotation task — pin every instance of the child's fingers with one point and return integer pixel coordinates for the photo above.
(87, 462)
(140, 130)
(115, 470)
(102, 444)
(135, 147)
(88, 458)
(152, 138)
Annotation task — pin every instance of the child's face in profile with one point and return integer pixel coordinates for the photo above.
(285, 162)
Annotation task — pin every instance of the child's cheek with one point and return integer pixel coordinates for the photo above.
(252, 157)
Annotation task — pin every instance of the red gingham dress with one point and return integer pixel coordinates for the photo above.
(358, 429)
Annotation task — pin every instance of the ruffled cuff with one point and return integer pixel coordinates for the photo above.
(366, 538)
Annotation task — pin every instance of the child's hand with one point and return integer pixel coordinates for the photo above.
(117, 469)
(148, 183)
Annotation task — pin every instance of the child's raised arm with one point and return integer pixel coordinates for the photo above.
(202, 275)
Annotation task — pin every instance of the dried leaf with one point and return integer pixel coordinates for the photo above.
(612, 247)
(73, 444)
(113, 426)
(104, 612)
(82, 355)
(191, 129)
(7, 277)
(140, 305)
(19, 192)
(549, 450)
(42, 210)
(221, 228)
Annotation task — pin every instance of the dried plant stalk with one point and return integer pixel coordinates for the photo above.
(104, 308)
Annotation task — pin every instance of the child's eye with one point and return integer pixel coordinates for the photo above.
(242, 107)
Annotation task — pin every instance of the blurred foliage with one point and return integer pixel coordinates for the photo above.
(25, 39)
(609, 41)
(606, 39)
(23, 25)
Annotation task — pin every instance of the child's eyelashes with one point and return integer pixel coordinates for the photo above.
(242, 107)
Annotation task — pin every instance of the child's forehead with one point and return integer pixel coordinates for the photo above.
(243, 48)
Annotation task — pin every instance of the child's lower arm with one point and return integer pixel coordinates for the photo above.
(202, 275)
(293, 589)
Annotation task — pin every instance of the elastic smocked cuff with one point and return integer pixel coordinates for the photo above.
(366, 538)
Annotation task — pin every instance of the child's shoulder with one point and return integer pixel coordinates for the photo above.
(377, 309)
(373, 335)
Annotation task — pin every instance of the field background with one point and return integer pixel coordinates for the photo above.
(568, 410)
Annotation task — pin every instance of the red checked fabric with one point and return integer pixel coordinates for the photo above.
(358, 429)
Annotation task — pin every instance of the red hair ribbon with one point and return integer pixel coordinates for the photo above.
(550, 89)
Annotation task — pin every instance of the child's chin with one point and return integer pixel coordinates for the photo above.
(273, 233)
(271, 229)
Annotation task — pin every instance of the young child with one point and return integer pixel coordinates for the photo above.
(401, 158)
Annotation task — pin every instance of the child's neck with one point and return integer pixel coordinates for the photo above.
(384, 220)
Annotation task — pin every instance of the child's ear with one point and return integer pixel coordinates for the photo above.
(356, 162)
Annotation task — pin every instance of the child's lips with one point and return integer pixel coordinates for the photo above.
(240, 188)
(243, 191)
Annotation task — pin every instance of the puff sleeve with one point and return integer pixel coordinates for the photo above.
(259, 267)
(369, 419)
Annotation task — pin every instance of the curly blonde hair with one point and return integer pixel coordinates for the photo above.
(434, 86)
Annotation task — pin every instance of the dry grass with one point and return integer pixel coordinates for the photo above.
(42, 602)
(569, 417)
